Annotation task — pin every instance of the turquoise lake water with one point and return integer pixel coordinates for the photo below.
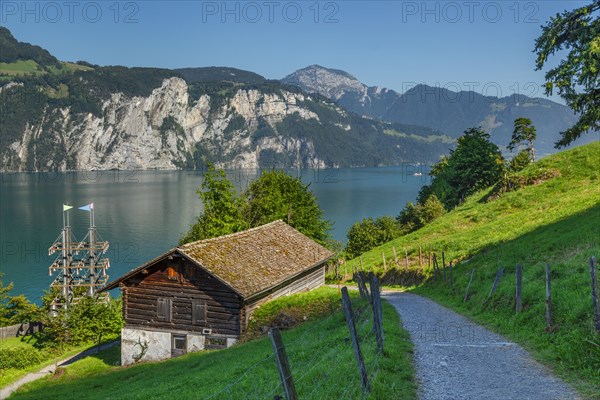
(143, 213)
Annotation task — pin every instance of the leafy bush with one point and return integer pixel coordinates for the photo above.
(21, 357)
(15, 309)
(362, 236)
(415, 216)
(368, 234)
(222, 209)
(520, 161)
(83, 322)
(533, 175)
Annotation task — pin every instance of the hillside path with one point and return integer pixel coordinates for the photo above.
(7, 390)
(457, 359)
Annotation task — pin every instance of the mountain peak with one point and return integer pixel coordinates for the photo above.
(319, 68)
(331, 83)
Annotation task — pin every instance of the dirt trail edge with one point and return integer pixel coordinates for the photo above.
(456, 359)
(32, 376)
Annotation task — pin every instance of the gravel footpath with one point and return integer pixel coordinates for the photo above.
(457, 359)
(50, 369)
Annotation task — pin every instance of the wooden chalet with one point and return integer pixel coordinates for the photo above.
(201, 295)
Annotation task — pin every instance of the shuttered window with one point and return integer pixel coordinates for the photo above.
(198, 312)
(164, 310)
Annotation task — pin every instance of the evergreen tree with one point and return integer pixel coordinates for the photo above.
(577, 77)
(524, 132)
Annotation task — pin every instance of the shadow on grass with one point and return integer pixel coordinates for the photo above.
(100, 352)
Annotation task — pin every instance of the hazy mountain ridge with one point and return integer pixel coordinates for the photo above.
(439, 108)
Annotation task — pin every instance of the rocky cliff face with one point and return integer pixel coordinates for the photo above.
(163, 131)
(172, 124)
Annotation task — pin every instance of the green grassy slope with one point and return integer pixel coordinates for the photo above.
(479, 224)
(557, 222)
(28, 354)
(319, 351)
(30, 67)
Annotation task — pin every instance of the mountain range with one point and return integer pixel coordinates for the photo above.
(439, 108)
(65, 116)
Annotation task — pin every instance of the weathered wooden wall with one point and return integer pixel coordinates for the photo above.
(140, 299)
(185, 284)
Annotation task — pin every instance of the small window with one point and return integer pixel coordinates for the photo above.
(198, 312)
(179, 342)
(178, 345)
(164, 309)
(214, 343)
(172, 273)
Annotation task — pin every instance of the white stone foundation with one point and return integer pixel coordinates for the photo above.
(139, 345)
(195, 343)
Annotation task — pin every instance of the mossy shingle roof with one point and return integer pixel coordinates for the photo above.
(251, 261)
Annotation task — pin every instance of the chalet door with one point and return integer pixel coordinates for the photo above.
(178, 345)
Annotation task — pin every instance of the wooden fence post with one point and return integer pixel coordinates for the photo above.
(444, 265)
(360, 289)
(435, 267)
(519, 288)
(451, 276)
(406, 258)
(548, 298)
(469, 286)
(495, 285)
(384, 265)
(595, 294)
(364, 379)
(429, 257)
(361, 264)
(283, 365)
(395, 255)
(377, 312)
(420, 256)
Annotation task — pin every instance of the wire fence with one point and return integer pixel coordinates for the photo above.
(321, 360)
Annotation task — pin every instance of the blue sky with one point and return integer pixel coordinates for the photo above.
(483, 45)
